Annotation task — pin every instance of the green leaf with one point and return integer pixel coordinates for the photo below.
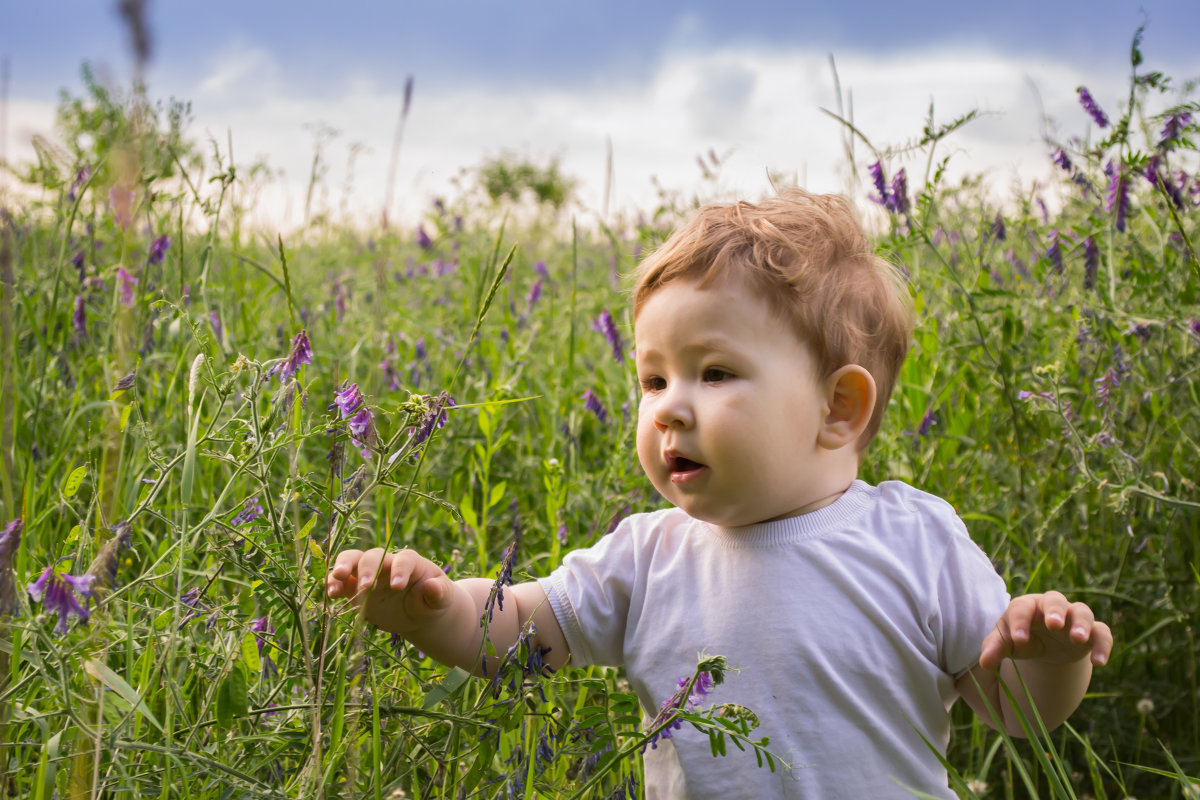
(74, 480)
(497, 493)
(450, 685)
(250, 653)
(239, 694)
(224, 706)
(113, 681)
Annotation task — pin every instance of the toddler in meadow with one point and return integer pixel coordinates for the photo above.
(768, 339)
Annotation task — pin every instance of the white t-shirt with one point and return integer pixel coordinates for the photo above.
(846, 627)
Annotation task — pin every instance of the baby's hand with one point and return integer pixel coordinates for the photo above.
(409, 593)
(1049, 628)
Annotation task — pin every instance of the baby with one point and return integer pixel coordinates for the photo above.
(768, 339)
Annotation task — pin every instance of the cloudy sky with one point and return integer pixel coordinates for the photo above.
(659, 83)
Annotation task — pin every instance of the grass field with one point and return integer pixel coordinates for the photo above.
(175, 471)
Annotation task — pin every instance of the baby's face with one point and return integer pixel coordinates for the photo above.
(731, 405)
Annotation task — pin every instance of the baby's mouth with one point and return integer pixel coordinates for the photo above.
(679, 465)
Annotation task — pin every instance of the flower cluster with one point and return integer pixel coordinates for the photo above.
(349, 403)
(126, 283)
(158, 249)
(62, 594)
(894, 197)
(251, 510)
(10, 540)
(606, 325)
(687, 692)
(434, 416)
(1093, 110)
(301, 353)
(1116, 200)
(592, 403)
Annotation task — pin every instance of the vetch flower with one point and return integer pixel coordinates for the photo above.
(251, 510)
(1093, 110)
(592, 403)
(262, 625)
(215, 319)
(1091, 263)
(126, 283)
(435, 416)
(608, 326)
(79, 318)
(81, 177)
(1054, 252)
(158, 249)
(504, 576)
(998, 230)
(62, 594)
(10, 542)
(1116, 199)
(687, 692)
(348, 399)
(423, 240)
(1173, 128)
(301, 353)
(877, 178)
(535, 293)
(1060, 158)
(898, 201)
(927, 422)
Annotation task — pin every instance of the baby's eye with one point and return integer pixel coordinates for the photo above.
(653, 384)
(715, 375)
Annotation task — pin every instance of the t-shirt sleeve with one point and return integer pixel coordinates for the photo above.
(591, 594)
(971, 598)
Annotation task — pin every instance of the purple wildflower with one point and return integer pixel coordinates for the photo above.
(434, 418)
(927, 422)
(876, 170)
(349, 402)
(423, 240)
(251, 510)
(701, 688)
(1054, 252)
(10, 541)
(608, 326)
(1150, 171)
(126, 284)
(80, 265)
(1117, 198)
(348, 399)
(535, 293)
(81, 177)
(1060, 158)
(61, 594)
(1173, 128)
(898, 202)
(1091, 263)
(158, 249)
(504, 576)
(998, 230)
(592, 403)
(218, 330)
(540, 269)
(1104, 386)
(262, 625)
(79, 317)
(301, 353)
(1093, 110)
(1194, 327)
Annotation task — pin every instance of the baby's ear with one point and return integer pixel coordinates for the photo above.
(850, 399)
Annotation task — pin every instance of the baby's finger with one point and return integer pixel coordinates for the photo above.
(370, 564)
(345, 564)
(1018, 619)
(1081, 620)
(1055, 610)
(1102, 643)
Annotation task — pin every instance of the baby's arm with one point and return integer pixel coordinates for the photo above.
(409, 595)
(1056, 642)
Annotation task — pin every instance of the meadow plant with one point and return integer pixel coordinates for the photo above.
(193, 415)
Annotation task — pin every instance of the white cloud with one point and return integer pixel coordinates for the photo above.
(762, 107)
